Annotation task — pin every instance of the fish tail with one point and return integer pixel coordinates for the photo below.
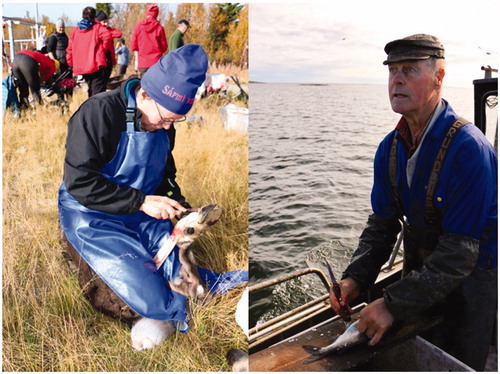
(312, 349)
(316, 354)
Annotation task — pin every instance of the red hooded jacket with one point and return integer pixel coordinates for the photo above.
(109, 48)
(85, 52)
(47, 66)
(149, 40)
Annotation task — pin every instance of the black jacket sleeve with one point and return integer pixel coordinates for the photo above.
(374, 249)
(443, 270)
(93, 136)
(52, 44)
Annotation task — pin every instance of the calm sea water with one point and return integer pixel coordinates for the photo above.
(311, 155)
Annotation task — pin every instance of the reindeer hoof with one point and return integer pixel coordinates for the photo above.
(200, 291)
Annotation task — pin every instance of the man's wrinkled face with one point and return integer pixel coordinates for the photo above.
(412, 84)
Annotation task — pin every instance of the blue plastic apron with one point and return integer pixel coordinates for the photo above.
(120, 248)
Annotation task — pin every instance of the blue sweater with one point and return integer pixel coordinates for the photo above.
(466, 194)
(123, 55)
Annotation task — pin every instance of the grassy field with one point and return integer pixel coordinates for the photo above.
(47, 324)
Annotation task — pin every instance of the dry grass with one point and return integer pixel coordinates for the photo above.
(47, 324)
(235, 70)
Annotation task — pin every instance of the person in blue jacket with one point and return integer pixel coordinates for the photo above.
(119, 194)
(123, 56)
(435, 175)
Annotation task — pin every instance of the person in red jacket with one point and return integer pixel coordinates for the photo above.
(30, 69)
(109, 48)
(148, 41)
(86, 52)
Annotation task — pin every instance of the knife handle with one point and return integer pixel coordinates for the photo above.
(344, 312)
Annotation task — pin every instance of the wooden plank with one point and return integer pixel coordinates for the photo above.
(289, 356)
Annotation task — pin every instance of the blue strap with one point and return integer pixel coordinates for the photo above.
(131, 104)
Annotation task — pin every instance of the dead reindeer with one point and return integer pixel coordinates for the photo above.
(147, 333)
(185, 232)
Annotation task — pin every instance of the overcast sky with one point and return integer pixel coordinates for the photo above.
(343, 41)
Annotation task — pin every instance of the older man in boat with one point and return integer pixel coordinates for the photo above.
(435, 175)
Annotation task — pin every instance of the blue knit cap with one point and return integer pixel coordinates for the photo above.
(174, 80)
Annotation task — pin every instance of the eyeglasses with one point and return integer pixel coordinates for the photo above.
(163, 120)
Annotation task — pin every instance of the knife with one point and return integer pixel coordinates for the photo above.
(344, 311)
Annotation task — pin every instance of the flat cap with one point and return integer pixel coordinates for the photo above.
(414, 47)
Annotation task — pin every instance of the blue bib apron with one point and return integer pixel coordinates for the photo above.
(120, 248)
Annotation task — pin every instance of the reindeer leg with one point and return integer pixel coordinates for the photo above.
(196, 284)
(190, 283)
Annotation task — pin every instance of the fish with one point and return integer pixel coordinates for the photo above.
(350, 338)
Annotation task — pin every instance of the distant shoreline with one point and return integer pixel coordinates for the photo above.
(357, 83)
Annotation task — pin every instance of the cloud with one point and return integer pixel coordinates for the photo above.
(334, 42)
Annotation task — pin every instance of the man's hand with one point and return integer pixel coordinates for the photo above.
(161, 207)
(374, 320)
(349, 291)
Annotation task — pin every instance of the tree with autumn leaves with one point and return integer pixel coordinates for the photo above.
(222, 29)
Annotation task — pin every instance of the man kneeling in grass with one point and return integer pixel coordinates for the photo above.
(119, 195)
